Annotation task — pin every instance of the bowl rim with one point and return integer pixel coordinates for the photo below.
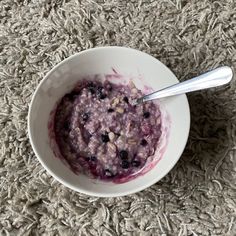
(89, 192)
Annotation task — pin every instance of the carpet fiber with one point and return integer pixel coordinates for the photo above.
(198, 197)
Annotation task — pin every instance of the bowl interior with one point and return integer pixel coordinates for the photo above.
(143, 69)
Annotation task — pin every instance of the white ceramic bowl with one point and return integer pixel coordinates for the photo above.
(125, 61)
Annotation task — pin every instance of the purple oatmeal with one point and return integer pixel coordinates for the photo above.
(100, 133)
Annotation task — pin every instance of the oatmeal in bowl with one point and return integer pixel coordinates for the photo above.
(86, 132)
(100, 133)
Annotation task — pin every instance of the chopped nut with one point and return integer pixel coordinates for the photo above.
(134, 90)
(132, 141)
(120, 110)
(111, 136)
(131, 84)
(112, 147)
(77, 130)
(115, 102)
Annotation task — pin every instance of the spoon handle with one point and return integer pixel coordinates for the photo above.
(214, 78)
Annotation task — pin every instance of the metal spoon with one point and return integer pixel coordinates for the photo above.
(214, 78)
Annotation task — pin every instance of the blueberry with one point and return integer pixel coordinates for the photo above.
(108, 173)
(146, 114)
(125, 99)
(66, 125)
(91, 87)
(85, 116)
(93, 158)
(110, 110)
(125, 164)
(102, 96)
(92, 90)
(72, 95)
(143, 142)
(91, 84)
(99, 89)
(105, 138)
(123, 155)
(135, 163)
(100, 93)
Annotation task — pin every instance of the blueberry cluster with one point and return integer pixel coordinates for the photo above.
(125, 164)
(98, 90)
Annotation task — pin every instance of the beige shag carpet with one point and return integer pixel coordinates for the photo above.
(198, 197)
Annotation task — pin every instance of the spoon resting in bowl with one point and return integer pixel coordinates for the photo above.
(214, 78)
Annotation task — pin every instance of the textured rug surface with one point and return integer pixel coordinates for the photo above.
(198, 197)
